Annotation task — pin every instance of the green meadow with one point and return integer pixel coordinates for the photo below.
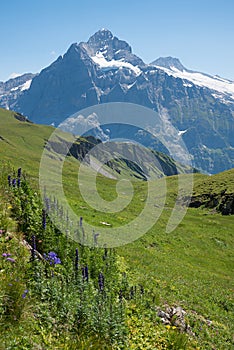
(190, 267)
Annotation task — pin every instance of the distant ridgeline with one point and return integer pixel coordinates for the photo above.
(104, 70)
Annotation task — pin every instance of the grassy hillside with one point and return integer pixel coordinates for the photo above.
(22, 142)
(191, 267)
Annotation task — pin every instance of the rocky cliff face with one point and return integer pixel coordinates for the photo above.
(11, 90)
(105, 70)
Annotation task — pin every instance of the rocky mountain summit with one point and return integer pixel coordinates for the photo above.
(104, 69)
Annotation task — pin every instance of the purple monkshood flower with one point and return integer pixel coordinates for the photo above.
(105, 253)
(77, 259)
(33, 247)
(18, 182)
(43, 219)
(19, 173)
(9, 180)
(5, 255)
(57, 261)
(85, 273)
(95, 238)
(52, 258)
(101, 282)
(24, 294)
(47, 203)
(52, 255)
(14, 182)
(11, 260)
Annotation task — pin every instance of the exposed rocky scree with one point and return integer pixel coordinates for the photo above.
(223, 203)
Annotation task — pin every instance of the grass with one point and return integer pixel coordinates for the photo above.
(22, 141)
(191, 266)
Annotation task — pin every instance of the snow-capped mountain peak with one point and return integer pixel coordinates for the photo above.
(110, 53)
(169, 63)
(101, 36)
(104, 41)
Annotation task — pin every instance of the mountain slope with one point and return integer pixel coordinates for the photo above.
(25, 143)
(190, 268)
(223, 88)
(105, 70)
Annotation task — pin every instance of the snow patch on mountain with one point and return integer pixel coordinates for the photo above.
(215, 83)
(102, 62)
(23, 87)
(181, 132)
(26, 85)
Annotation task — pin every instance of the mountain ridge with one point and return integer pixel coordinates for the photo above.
(19, 147)
(104, 70)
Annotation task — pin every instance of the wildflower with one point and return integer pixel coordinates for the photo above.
(168, 326)
(101, 282)
(52, 255)
(19, 173)
(14, 182)
(9, 180)
(18, 182)
(24, 294)
(5, 255)
(33, 247)
(77, 259)
(11, 260)
(95, 237)
(47, 203)
(43, 219)
(52, 258)
(105, 253)
(85, 273)
(81, 221)
(57, 261)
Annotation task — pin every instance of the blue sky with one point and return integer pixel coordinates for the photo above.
(198, 32)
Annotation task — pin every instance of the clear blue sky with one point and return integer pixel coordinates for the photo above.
(198, 32)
